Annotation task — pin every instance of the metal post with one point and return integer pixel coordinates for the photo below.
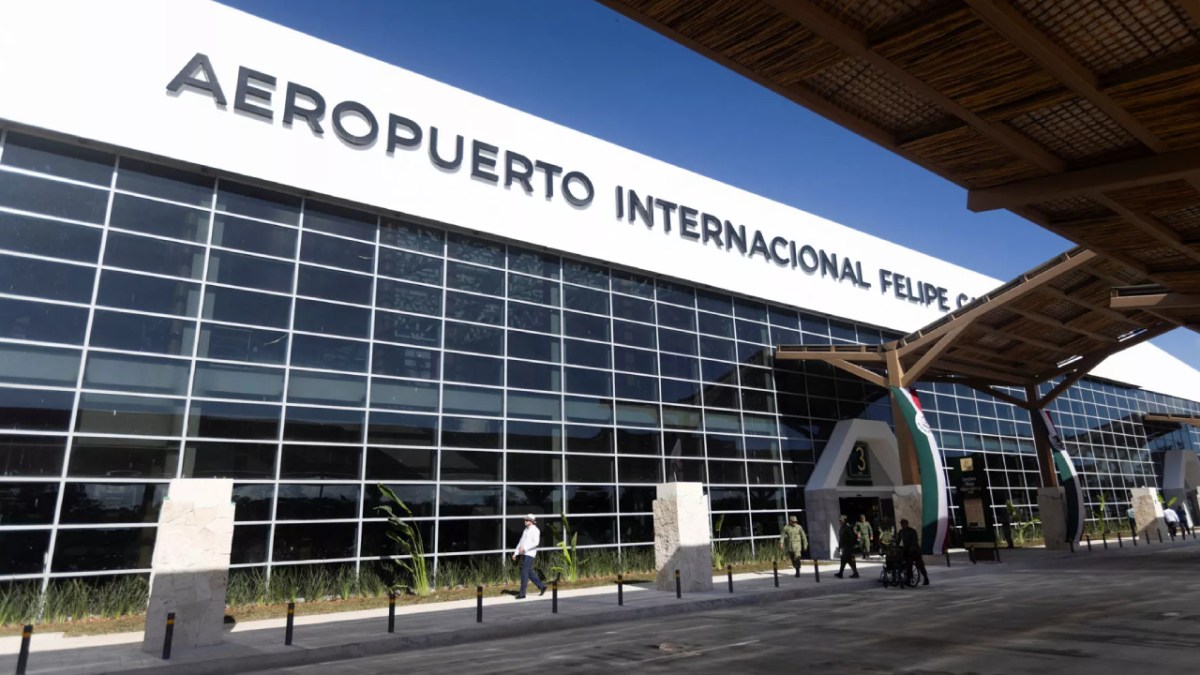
(729, 575)
(620, 590)
(996, 550)
(1159, 536)
(1120, 544)
(1147, 537)
(1089, 543)
(554, 597)
(947, 557)
(23, 656)
(971, 555)
(775, 571)
(1104, 537)
(479, 604)
(1071, 543)
(816, 570)
(291, 618)
(1135, 540)
(168, 635)
(678, 586)
(391, 612)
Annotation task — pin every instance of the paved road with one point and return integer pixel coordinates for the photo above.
(1126, 612)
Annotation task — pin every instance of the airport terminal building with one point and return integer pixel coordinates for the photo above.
(230, 250)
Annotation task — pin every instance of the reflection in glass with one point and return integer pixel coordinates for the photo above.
(29, 364)
(112, 502)
(58, 159)
(160, 218)
(319, 424)
(226, 380)
(33, 456)
(127, 372)
(208, 459)
(88, 550)
(249, 544)
(402, 429)
(252, 501)
(317, 501)
(469, 534)
(143, 333)
(102, 457)
(314, 351)
(314, 541)
(27, 503)
(148, 294)
(50, 238)
(243, 421)
(159, 181)
(24, 320)
(401, 464)
(51, 198)
(320, 461)
(46, 279)
(24, 551)
(35, 410)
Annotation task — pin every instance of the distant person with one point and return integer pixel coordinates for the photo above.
(1132, 517)
(1172, 519)
(527, 550)
(865, 535)
(847, 541)
(910, 543)
(1006, 526)
(793, 541)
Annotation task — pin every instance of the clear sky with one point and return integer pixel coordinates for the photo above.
(579, 64)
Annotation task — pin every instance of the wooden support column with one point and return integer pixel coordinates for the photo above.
(1041, 438)
(910, 471)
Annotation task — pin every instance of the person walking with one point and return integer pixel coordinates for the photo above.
(527, 550)
(911, 545)
(1006, 525)
(847, 541)
(865, 535)
(793, 541)
(1172, 519)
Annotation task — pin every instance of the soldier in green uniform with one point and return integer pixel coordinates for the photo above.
(793, 541)
(863, 529)
(847, 539)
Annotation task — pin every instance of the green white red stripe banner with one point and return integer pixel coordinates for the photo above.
(1067, 478)
(935, 514)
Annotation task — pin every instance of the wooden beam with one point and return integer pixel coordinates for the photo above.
(1149, 226)
(989, 375)
(855, 43)
(1019, 337)
(858, 371)
(1177, 419)
(995, 393)
(1165, 300)
(1118, 175)
(1090, 306)
(1094, 358)
(1055, 323)
(914, 372)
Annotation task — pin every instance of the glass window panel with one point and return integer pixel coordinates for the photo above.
(472, 400)
(471, 432)
(52, 198)
(405, 362)
(128, 372)
(314, 541)
(327, 389)
(590, 498)
(339, 220)
(28, 503)
(589, 469)
(589, 382)
(473, 369)
(637, 415)
(533, 289)
(586, 274)
(474, 308)
(636, 387)
(638, 441)
(749, 309)
(534, 406)
(323, 424)
(727, 499)
(712, 324)
(716, 348)
(236, 269)
(337, 252)
(143, 333)
(585, 300)
(58, 159)
(677, 317)
(252, 502)
(676, 293)
(254, 236)
(676, 341)
(410, 266)
(762, 473)
(238, 306)
(589, 439)
(411, 236)
(149, 294)
(25, 551)
(528, 467)
(35, 410)
(634, 334)
(534, 499)
(129, 415)
(635, 360)
(402, 464)
(753, 332)
(27, 234)
(588, 410)
(229, 460)
(637, 529)
(421, 500)
(408, 328)
(46, 279)
(31, 455)
(93, 550)
(727, 422)
(375, 541)
(468, 535)
(637, 499)
(533, 262)
(408, 297)
(762, 448)
(112, 502)
(313, 351)
(30, 364)
(534, 346)
(633, 308)
(470, 500)
(402, 429)
(472, 338)
(586, 326)
(459, 465)
(717, 396)
(223, 380)
(331, 318)
(680, 418)
(249, 544)
(534, 317)
(476, 279)
(334, 285)
(633, 284)
(471, 249)
(727, 472)
(640, 469)
(404, 395)
(235, 343)
(166, 183)
(218, 419)
(534, 436)
(683, 367)
(319, 461)
(258, 203)
(588, 354)
(153, 217)
(724, 446)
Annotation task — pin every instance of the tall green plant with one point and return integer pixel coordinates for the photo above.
(408, 536)
(569, 567)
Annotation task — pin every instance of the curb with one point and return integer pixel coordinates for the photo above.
(300, 656)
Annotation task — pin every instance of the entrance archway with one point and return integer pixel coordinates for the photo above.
(1181, 479)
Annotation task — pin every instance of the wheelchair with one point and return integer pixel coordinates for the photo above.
(897, 569)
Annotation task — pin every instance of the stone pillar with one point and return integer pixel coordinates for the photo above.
(1052, 511)
(906, 502)
(682, 537)
(822, 508)
(190, 568)
(1148, 512)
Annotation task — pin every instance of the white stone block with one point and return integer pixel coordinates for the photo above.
(1052, 511)
(682, 538)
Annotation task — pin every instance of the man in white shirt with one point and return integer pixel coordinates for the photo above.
(527, 549)
(1172, 519)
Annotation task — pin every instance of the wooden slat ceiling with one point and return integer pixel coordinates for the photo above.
(1082, 116)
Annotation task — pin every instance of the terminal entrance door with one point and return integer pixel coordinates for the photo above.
(879, 512)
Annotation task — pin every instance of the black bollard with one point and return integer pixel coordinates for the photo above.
(971, 555)
(1071, 543)
(1147, 537)
(620, 590)
(1104, 536)
(554, 597)
(1089, 543)
(816, 570)
(729, 575)
(1160, 536)
(775, 571)
(1120, 544)
(947, 557)
(678, 586)
(23, 656)
(996, 550)
(168, 635)
(1134, 538)
(479, 604)
(291, 619)
(391, 612)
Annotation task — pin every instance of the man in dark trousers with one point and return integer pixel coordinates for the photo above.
(1006, 525)
(911, 545)
(848, 541)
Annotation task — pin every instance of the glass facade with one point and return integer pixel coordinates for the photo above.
(157, 323)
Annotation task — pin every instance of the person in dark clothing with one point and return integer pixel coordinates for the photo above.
(848, 541)
(911, 545)
(1006, 525)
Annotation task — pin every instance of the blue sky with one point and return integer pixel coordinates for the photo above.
(581, 65)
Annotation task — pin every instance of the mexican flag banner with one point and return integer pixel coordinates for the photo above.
(1068, 478)
(935, 514)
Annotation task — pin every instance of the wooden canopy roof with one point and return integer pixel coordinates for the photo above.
(1082, 116)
